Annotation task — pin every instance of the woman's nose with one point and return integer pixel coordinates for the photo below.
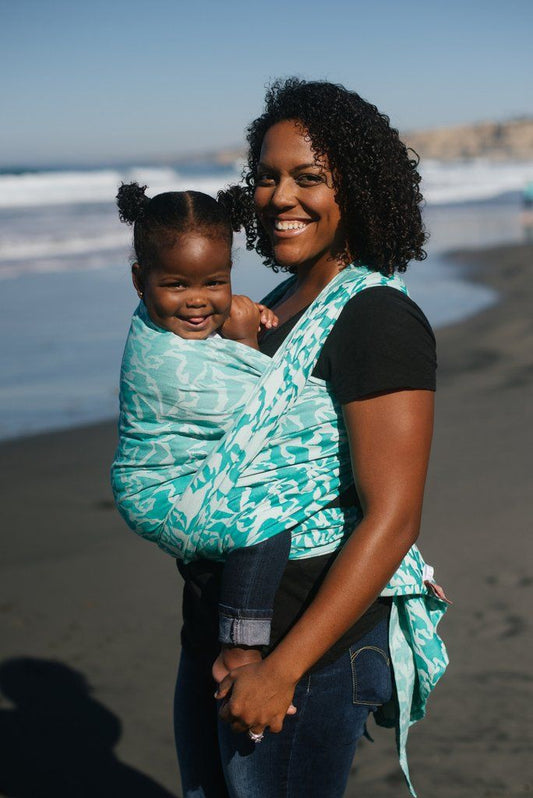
(283, 194)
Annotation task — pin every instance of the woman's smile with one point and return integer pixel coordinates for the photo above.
(289, 226)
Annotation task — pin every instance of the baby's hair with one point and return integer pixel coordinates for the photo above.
(158, 222)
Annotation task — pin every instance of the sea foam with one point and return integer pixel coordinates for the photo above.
(80, 187)
(470, 181)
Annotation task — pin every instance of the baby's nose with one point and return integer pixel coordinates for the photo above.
(196, 300)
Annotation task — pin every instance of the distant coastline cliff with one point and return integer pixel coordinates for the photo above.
(499, 141)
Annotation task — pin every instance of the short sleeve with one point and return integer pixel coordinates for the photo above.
(381, 342)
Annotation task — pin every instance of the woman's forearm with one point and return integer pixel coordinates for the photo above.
(360, 572)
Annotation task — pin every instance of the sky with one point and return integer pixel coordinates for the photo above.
(92, 82)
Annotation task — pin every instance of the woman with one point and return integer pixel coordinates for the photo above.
(331, 185)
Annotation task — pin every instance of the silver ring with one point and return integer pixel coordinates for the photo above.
(255, 738)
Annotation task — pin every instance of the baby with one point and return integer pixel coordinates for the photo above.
(182, 274)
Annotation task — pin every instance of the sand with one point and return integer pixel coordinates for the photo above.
(90, 613)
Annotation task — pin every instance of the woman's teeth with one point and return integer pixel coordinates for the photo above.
(286, 225)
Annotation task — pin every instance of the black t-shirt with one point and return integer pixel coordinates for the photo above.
(381, 342)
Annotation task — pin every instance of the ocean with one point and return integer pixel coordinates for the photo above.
(66, 294)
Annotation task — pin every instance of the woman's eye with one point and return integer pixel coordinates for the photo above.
(264, 180)
(309, 179)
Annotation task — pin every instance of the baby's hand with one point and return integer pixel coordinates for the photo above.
(231, 657)
(243, 321)
(246, 319)
(268, 318)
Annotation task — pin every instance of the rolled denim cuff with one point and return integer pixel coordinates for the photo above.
(244, 627)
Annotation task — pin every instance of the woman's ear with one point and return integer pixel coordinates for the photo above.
(137, 278)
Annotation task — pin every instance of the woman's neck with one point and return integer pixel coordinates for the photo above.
(309, 283)
(316, 277)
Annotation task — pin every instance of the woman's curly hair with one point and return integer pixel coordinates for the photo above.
(375, 178)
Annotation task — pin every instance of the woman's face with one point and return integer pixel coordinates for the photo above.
(295, 199)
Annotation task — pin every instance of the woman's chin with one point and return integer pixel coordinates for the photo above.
(286, 259)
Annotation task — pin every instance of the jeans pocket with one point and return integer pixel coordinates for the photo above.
(371, 674)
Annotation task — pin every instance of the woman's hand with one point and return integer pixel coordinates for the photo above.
(256, 697)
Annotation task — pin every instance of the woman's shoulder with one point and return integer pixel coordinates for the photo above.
(378, 309)
(381, 341)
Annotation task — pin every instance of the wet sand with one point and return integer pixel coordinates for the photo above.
(84, 603)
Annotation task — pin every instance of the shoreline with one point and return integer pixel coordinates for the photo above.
(81, 590)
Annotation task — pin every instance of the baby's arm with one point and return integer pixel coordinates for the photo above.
(245, 320)
(250, 581)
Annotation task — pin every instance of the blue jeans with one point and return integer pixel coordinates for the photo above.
(312, 755)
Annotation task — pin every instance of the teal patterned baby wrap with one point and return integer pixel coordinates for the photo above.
(222, 447)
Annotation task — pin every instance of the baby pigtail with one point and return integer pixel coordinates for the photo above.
(131, 202)
(238, 203)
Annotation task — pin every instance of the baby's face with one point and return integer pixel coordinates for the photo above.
(189, 292)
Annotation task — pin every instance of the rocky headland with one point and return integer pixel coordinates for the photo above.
(501, 141)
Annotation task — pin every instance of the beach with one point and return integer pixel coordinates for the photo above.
(90, 613)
